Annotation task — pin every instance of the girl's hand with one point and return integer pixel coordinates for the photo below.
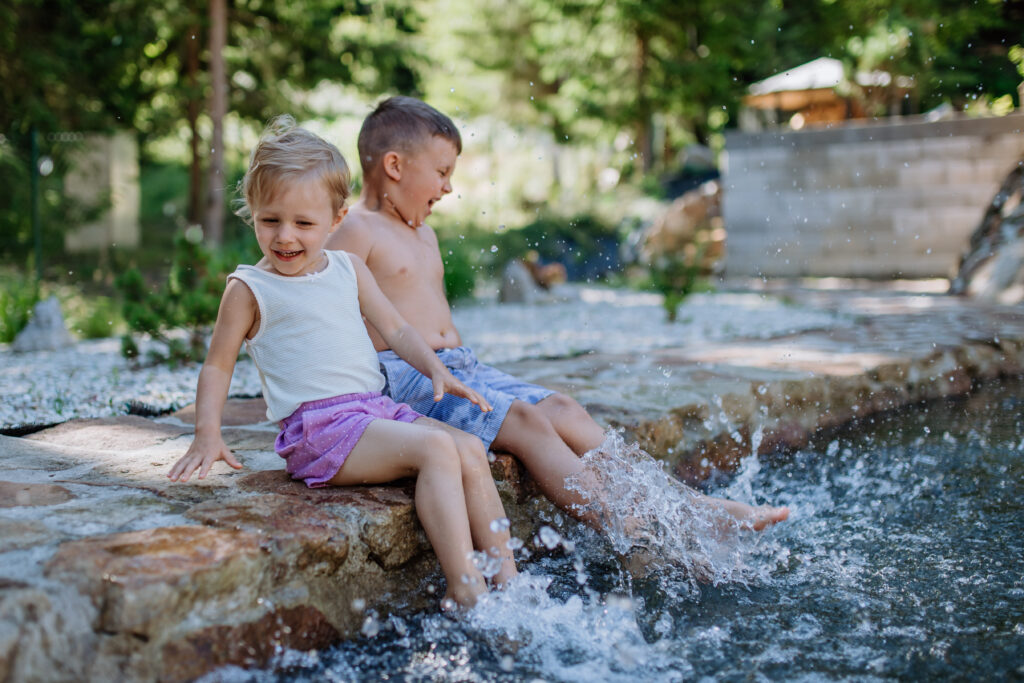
(201, 455)
(445, 381)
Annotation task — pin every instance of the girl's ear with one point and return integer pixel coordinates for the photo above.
(393, 166)
(340, 216)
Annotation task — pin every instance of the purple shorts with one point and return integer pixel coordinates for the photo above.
(319, 435)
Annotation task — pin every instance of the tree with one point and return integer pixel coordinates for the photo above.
(93, 66)
(65, 65)
(598, 67)
(272, 51)
(586, 64)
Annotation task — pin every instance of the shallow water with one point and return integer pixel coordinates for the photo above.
(903, 558)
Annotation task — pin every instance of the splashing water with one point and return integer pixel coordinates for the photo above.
(670, 529)
(903, 559)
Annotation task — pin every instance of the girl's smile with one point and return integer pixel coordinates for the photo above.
(293, 226)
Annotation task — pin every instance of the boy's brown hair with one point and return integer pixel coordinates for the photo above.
(286, 152)
(402, 124)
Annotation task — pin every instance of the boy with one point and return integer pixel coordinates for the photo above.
(408, 152)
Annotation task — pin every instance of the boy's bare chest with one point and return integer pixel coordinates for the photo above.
(406, 261)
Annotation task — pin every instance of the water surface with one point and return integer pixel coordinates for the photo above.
(903, 559)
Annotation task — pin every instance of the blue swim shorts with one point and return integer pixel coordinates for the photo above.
(407, 385)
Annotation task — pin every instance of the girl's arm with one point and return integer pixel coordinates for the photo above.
(405, 340)
(236, 317)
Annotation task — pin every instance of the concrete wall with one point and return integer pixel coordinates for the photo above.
(893, 198)
(105, 169)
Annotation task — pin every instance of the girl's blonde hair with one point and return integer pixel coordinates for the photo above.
(286, 153)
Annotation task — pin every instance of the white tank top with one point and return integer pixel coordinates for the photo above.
(312, 343)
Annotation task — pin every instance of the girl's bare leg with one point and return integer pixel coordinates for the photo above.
(482, 501)
(390, 450)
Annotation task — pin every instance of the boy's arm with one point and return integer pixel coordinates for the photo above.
(404, 340)
(234, 319)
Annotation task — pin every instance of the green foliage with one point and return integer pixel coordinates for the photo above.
(187, 301)
(597, 68)
(676, 276)
(18, 294)
(93, 317)
(57, 208)
(460, 267)
(72, 64)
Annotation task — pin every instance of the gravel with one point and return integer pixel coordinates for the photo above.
(92, 379)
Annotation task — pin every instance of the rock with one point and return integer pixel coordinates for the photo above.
(301, 534)
(108, 571)
(692, 219)
(237, 411)
(45, 331)
(46, 633)
(518, 285)
(25, 495)
(992, 267)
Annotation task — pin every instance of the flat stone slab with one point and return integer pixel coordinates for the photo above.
(109, 571)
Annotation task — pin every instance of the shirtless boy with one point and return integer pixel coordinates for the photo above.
(408, 152)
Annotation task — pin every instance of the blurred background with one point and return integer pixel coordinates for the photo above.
(600, 136)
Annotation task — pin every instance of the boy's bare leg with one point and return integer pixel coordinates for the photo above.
(573, 423)
(390, 450)
(528, 434)
(483, 504)
(749, 516)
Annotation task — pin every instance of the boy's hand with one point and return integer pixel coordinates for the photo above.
(446, 382)
(201, 455)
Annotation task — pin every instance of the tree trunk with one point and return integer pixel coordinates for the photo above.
(195, 180)
(644, 138)
(218, 109)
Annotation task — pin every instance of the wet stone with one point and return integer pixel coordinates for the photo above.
(21, 535)
(148, 579)
(247, 645)
(31, 495)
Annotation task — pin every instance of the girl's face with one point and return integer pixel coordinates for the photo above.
(293, 225)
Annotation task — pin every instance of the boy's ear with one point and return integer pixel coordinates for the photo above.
(393, 166)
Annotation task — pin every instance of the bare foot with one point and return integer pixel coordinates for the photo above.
(463, 596)
(750, 517)
(507, 573)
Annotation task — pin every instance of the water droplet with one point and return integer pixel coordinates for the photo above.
(371, 626)
(549, 537)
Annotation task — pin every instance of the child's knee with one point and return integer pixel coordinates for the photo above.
(566, 406)
(528, 417)
(472, 453)
(438, 450)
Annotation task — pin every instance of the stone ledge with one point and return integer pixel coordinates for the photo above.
(111, 572)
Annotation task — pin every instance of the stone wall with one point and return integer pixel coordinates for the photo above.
(890, 198)
(105, 170)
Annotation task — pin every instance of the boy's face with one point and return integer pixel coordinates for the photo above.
(426, 177)
(293, 225)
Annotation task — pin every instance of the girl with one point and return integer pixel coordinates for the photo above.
(300, 311)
